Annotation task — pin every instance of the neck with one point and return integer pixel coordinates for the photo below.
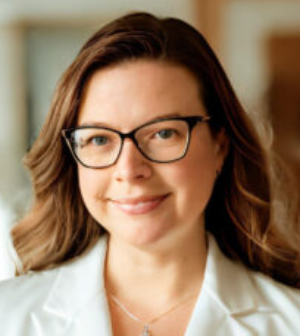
(158, 279)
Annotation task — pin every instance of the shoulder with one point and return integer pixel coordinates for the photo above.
(33, 286)
(277, 306)
(282, 298)
(48, 290)
(20, 297)
(236, 276)
(251, 299)
(276, 309)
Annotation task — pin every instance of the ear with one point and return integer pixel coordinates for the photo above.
(221, 148)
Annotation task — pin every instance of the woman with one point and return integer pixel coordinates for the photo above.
(162, 222)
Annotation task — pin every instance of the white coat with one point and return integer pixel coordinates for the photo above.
(71, 301)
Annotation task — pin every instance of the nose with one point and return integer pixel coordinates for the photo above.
(131, 164)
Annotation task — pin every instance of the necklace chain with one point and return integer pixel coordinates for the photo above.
(146, 325)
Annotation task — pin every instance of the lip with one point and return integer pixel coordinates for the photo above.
(139, 205)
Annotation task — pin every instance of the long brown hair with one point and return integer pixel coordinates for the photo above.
(240, 211)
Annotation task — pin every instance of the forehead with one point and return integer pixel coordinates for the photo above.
(135, 92)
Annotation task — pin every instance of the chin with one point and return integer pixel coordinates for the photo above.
(143, 237)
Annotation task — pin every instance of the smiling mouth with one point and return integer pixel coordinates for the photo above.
(140, 205)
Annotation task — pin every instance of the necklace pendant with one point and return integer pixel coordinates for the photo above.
(146, 331)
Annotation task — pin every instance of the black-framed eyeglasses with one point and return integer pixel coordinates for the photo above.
(162, 141)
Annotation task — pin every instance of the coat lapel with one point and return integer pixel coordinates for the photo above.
(76, 304)
(227, 293)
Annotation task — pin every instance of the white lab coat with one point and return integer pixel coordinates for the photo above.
(71, 301)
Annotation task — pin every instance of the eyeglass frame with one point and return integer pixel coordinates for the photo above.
(190, 120)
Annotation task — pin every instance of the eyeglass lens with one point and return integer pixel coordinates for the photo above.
(161, 141)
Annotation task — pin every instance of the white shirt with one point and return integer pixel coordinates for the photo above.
(71, 301)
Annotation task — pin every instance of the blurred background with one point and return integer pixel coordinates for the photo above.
(257, 41)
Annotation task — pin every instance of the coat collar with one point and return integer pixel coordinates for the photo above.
(79, 281)
(77, 297)
(226, 294)
(227, 282)
(76, 303)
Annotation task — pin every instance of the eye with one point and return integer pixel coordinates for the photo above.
(99, 140)
(165, 133)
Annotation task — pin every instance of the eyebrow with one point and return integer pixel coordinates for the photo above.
(104, 124)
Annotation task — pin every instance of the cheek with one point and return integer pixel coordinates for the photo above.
(195, 178)
(85, 184)
(92, 186)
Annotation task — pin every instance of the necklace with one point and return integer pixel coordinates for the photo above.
(146, 325)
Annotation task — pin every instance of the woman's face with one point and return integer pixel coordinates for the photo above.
(139, 201)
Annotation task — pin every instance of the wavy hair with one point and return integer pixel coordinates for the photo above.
(240, 213)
